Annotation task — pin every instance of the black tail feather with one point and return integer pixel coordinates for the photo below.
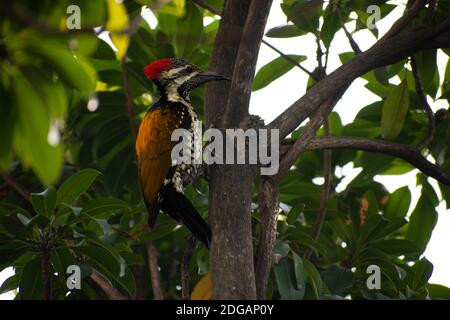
(181, 209)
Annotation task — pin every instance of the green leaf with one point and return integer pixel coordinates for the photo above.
(420, 273)
(15, 226)
(103, 207)
(10, 284)
(286, 281)
(314, 278)
(44, 203)
(273, 70)
(30, 286)
(394, 111)
(371, 227)
(75, 71)
(76, 185)
(103, 64)
(9, 209)
(398, 203)
(421, 223)
(109, 264)
(61, 259)
(299, 271)
(174, 7)
(189, 31)
(338, 279)
(285, 31)
(438, 291)
(158, 233)
(31, 132)
(294, 213)
(280, 249)
(118, 21)
(131, 258)
(6, 133)
(304, 14)
(331, 25)
(396, 247)
(427, 66)
(52, 92)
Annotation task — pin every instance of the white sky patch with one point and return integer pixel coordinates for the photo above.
(5, 274)
(149, 16)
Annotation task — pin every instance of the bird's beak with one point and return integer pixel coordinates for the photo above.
(207, 76)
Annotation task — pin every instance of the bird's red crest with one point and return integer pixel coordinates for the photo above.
(153, 70)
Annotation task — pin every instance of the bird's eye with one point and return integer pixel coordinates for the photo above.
(189, 69)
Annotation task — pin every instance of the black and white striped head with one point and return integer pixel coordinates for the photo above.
(178, 77)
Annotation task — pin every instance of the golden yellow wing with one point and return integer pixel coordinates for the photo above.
(153, 149)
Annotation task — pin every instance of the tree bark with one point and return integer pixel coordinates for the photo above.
(232, 266)
(268, 206)
(223, 59)
(230, 194)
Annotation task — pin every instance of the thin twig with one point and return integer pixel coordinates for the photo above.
(426, 107)
(207, 6)
(431, 10)
(407, 153)
(103, 282)
(129, 99)
(16, 186)
(185, 261)
(349, 36)
(308, 133)
(325, 193)
(152, 256)
(319, 52)
(46, 276)
(289, 59)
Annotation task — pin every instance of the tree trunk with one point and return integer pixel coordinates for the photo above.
(235, 54)
(232, 251)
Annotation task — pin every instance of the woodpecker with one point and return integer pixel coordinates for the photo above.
(163, 181)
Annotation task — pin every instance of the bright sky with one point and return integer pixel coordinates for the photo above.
(273, 99)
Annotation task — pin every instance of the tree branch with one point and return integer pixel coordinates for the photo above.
(203, 4)
(46, 276)
(308, 133)
(349, 36)
(422, 97)
(16, 186)
(129, 99)
(382, 53)
(111, 292)
(268, 207)
(325, 194)
(244, 69)
(405, 20)
(223, 58)
(152, 256)
(185, 261)
(407, 153)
